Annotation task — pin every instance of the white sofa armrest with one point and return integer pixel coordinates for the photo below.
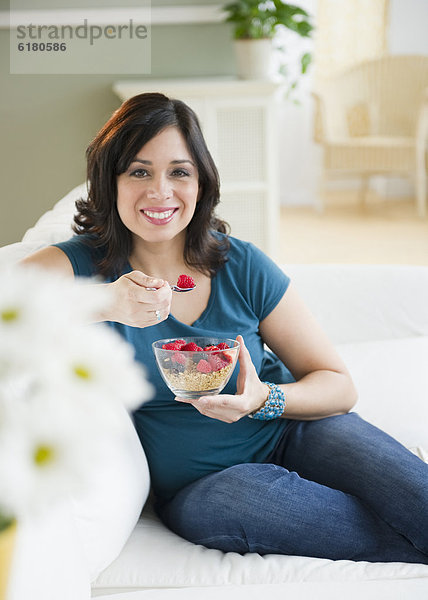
(52, 227)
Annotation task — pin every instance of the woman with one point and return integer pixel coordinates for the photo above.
(315, 480)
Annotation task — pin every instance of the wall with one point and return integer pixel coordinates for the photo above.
(408, 26)
(47, 121)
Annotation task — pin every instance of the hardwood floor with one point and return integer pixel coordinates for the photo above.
(387, 232)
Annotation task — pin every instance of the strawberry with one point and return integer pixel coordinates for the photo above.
(203, 366)
(223, 346)
(185, 281)
(190, 347)
(179, 358)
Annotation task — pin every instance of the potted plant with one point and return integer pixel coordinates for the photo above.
(255, 24)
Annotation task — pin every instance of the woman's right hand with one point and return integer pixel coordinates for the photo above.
(132, 304)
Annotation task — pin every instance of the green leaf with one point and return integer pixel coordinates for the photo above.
(257, 19)
(304, 28)
(292, 8)
(305, 61)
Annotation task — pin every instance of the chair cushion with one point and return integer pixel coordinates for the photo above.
(371, 154)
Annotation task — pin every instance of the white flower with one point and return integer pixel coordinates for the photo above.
(29, 294)
(36, 310)
(96, 365)
(47, 451)
(64, 387)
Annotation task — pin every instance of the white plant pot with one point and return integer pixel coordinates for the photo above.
(254, 58)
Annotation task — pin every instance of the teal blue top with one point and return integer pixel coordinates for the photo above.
(182, 445)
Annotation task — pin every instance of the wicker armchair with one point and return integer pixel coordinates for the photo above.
(373, 120)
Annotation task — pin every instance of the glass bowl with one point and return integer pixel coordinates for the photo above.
(201, 369)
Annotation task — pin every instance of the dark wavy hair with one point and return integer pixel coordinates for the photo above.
(111, 152)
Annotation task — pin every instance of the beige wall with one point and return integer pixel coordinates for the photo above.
(47, 121)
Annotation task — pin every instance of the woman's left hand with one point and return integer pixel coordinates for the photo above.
(251, 393)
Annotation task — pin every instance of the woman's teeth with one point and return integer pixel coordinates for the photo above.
(158, 215)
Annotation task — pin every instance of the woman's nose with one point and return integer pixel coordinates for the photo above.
(160, 189)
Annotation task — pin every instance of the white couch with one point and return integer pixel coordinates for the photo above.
(100, 545)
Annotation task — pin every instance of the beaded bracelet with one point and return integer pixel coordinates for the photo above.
(274, 405)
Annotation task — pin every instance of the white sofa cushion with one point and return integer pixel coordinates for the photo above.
(155, 557)
(48, 557)
(55, 225)
(78, 538)
(391, 377)
(414, 589)
(356, 303)
(107, 512)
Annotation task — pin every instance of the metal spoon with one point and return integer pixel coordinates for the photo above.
(174, 288)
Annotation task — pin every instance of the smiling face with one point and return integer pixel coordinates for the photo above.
(157, 194)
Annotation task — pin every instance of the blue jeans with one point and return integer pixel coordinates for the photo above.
(335, 488)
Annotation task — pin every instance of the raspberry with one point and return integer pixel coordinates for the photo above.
(223, 346)
(171, 346)
(216, 363)
(190, 347)
(227, 357)
(208, 348)
(179, 342)
(179, 358)
(185, 281)
(203, 366)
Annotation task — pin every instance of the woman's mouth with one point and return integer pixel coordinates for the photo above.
(157, 216)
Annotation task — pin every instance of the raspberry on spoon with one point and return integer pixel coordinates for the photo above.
(185, 282)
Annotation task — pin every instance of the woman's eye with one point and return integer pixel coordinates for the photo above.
(180, 173)
(139, 173)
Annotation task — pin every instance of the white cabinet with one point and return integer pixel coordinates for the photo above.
(239, 122)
